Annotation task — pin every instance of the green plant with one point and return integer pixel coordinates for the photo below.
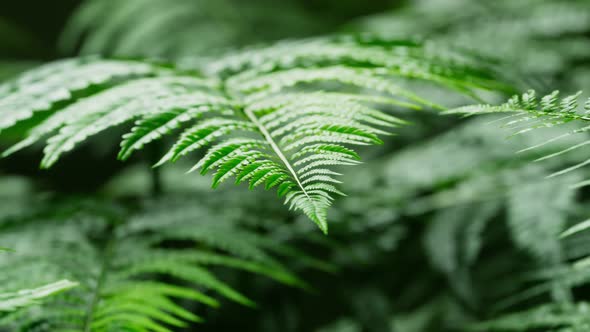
(128, 272)
(526, 113)
(161, 28)
(260, 128)
(271, 115)
(27, 297)
(541, 39)
(529, 112)
(446, 228)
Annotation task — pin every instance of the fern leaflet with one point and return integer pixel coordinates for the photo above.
(129, 278)
(270, 116)
(529, 113)
(26, 297)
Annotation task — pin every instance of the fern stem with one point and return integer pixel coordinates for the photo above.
(106, 262)
(276, 149)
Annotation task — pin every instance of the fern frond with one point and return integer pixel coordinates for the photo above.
(163, 29)
(538, 212)
(365, 57)
(27, 297)
(528, 112)
(579, 227)
(271, 116)
(12, 301)
(483, 180)
(129, 278)
(549, 317)
(540, 39)
(39, 89)
(398, 179)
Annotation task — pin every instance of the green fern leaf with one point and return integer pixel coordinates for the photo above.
(133, 280)
(528, 113)
(549, 317)
(271, 116)
(39, 89)
(27, 297)
(580, 227)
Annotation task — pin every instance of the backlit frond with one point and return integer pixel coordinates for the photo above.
(281, 116)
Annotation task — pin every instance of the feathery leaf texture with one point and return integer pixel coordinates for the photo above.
(129, 278)
(484, 182)
(538, 212)
(548, 317)
(270, 116)
(162, 28)
(531, 112)
(540, 38)
(26, 297)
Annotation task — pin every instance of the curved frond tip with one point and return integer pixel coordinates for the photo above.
(282, 117)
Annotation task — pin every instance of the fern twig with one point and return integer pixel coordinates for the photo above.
(96, 292)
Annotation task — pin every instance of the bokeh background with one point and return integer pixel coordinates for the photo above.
(443, 226)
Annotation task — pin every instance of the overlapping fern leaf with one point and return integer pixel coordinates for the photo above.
(164, 28)
(530, 112)
(280, 116)
(27, 297)
(563, 314)
(548, 317)
(139, 271)
(542, 38)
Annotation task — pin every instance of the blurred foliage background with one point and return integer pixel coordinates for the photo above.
(443, 228)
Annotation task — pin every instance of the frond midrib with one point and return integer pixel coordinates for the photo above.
(267, 136)
(96, 292)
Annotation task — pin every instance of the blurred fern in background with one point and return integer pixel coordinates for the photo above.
(459, 222)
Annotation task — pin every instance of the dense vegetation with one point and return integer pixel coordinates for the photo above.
(466, 212)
